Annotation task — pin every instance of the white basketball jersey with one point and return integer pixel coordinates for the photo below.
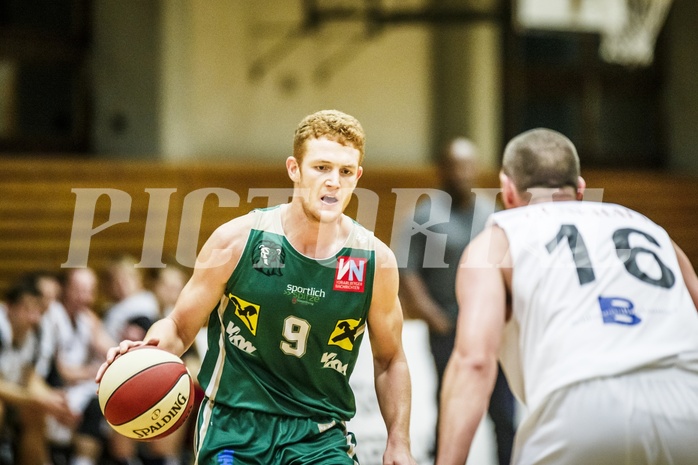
(73, 339)
(596, 291)
(15, 358)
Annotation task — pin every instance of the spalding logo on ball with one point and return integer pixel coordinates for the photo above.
(146, 393)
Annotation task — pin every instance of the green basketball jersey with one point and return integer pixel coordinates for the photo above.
(286, 335)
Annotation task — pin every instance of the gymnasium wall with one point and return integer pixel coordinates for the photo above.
(162, 212)
(188, 90)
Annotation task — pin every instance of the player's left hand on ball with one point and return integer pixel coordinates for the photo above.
(122, 348)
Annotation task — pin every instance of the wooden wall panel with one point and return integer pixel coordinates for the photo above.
(38, 204)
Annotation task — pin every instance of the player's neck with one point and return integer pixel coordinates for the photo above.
(541, 195)
(311, 237)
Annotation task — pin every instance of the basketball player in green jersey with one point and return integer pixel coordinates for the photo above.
(294, 289)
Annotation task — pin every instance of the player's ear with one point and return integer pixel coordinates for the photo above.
(509, 192)
(293, 169)
(581, 185)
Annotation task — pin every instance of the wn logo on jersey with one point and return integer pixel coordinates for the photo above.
(350, 274)
(345, 333)
(618, 310)
(329, 360)
(246, 311)
(268, 257)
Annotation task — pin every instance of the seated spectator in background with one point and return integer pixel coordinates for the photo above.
(25, 399)
(128, 299)
(81, 341)
(132, 310)
(49, 284)
(166, 283)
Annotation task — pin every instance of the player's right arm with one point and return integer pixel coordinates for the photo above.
(214, 265)
(481, 289)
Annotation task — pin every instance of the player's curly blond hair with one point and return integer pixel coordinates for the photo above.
(330, 124)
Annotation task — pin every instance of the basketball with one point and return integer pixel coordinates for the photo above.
(146, 393)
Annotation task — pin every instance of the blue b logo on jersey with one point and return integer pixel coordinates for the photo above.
(618, 310)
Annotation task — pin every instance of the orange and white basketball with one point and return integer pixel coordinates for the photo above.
(146, 393)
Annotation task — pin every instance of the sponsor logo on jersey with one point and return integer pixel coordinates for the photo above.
(237, 339)
(350, 273)
(304, 295)
(345, 333)
(329, 360)
(246, 311)
(225, 457)
(618, 310)
(268, 257)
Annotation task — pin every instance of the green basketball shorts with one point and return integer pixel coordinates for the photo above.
(227, 436)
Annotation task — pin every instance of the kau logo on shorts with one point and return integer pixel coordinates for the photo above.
(225, 457)
(350, 274)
